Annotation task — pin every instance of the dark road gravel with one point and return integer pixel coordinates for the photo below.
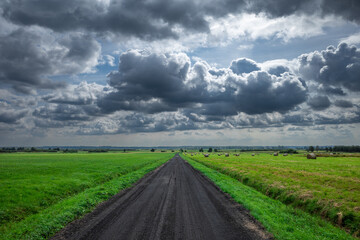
(173, 202)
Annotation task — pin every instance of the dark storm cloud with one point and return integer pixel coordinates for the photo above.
(348, 9)
(154, 83)
(29, 56)
(319, 102)
(62, 112)
(157, 19)
(332, 90)
(143, 19)
(279, 8)
(258, 92)
(263, 92)
(343, 104)
(11, 116)
(335, 67)
(151, 83)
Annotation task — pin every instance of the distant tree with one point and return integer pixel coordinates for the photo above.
(317, 148)
(152, 150)
(289, 151)
(326, 149)
(210, 150)
(215, 150)
(201, 150)
(124, 150)
(330, 149)
(181, 150)
(311, 149)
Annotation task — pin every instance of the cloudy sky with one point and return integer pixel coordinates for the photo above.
(187, 72)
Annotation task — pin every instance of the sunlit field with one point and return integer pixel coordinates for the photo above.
(326, 186)
(34, 183)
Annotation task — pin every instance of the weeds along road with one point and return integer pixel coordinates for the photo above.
(173, 202)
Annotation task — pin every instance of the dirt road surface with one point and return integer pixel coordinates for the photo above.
(173, 202)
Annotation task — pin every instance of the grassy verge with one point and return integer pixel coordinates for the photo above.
(45, 223)
(284, 222)
(327, 187)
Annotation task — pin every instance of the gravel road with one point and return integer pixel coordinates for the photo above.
(173, 202)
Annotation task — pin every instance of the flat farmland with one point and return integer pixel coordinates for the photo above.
(36, 185)
(326, 186)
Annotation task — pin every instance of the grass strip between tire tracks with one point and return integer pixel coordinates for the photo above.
(47, 222)
(284, 222)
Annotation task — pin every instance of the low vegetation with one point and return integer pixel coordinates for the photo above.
(326, 186)
(41, 192)
(283, 221)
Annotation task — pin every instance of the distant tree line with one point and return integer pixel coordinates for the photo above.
(58, 149)
(346, 148)
(335, 149)
(29, 149)
(97, 150)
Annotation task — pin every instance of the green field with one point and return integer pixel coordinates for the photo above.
(328, 186)
(35, 186)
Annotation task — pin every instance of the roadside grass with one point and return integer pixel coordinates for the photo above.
(284, 222)
(53, 189)
(328, 186)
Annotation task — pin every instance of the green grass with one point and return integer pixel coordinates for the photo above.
(284, 222)
(327, 186)
(40, 193)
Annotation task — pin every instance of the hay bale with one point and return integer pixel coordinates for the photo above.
(219, 154)
(206, 155)
(285, 154)
(192, 154)
(276, 154)
(253, 154)
(311, 156)
(226, 154)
